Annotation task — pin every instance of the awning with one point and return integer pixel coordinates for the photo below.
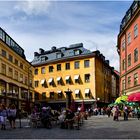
(42, 81)
(50, 80)
(67, 77)
(76, 77)
(77, 91)
(59, 91)
(87, 90)
(58, 78)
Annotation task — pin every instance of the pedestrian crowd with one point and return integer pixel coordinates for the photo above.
(124, 111)
(9, 113)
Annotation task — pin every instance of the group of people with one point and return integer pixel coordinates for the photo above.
(126, 111)
(7, 113)
(46, 115)
(65, 117)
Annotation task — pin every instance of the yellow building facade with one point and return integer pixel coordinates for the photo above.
(87, 74)
(16, 74)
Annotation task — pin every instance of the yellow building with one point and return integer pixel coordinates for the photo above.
(16, 75)
(87, 74)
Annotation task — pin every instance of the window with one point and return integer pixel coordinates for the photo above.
(43, 95)
(76, 52)
(77, 65)
(26, 80)
(16, 62)
(10, 73)
(36, 83)
(43, 70)
(30, 83)
(3, 69)
(135, 79)
(77, 93)
(3, 53)
(129, 15)
(123, 64)
(51, 82)
(10, 58)
(50, 68)
(123, 84)
(2, 35)
(12, 44)
(123, 45)
(67, 66)
(77, 79)
(36, 96)
(59, 81)
(129, 81)
(8, 40)
(135, 6)
(129, 38)
(21, 65)
(87, 93)
(135, 30)
(129, 60)
(16, 75)
(86, 63)
(68, 80)
(44, 58)
(36, 72)
(58, 55)
(136, 55)
(87, 78)
(51, 95)
(58, 67)
(21, 78)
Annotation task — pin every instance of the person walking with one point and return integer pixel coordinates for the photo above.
(108, 111)
(12, 115)
(115, 112)
(125, 113)
(3, 116)
(138, 113)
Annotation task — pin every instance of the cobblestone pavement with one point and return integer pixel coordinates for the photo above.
(96, 127)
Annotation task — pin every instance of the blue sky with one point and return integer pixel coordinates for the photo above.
(43, 24)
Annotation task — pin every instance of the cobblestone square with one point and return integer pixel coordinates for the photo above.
(96, 127)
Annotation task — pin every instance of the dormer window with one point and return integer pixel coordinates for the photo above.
(44, 58)
(134, 7)
(58, 55)
(129, 15)
(77, 52)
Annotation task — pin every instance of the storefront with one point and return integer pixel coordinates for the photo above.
(2, 92)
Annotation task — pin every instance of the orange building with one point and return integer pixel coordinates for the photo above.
(129, 49)
(87, 74)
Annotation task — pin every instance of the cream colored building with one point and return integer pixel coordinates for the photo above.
(16, 74)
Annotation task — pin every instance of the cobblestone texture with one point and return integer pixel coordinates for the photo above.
(96, 127)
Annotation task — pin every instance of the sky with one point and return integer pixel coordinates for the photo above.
(43, 24)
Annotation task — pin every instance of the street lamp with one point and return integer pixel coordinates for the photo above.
(68, 98)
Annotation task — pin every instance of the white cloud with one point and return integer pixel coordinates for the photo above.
(33, 7)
